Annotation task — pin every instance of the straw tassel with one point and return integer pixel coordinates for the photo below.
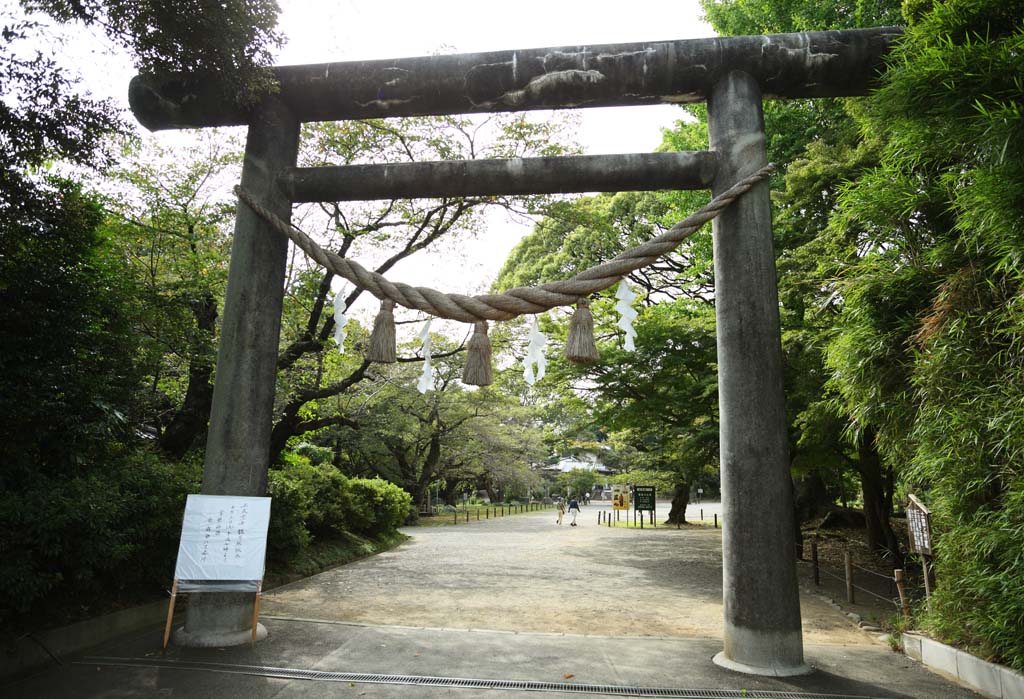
(477, 371)
(382, 341)
(580, 347)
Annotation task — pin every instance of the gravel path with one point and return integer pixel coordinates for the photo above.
(525, 573)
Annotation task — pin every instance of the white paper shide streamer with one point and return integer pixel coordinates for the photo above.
(427, 377)
(339, 319)
(627, 314)
(535, 363)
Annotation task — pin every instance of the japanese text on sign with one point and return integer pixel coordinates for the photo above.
(644, 495)
(919, 527)
(223, 538)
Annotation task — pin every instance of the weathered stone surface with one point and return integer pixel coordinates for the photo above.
(237, 446)
(809, 64)
(760, 593)
(450, 178)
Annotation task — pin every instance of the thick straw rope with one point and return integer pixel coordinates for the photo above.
(521, 300)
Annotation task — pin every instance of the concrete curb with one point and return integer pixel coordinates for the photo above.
(989, 679)
(34, 652)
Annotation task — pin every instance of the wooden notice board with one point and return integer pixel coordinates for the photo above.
(919, 527)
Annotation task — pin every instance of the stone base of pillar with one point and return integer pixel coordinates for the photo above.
(771, 654)
(213, 639)
(721, 661)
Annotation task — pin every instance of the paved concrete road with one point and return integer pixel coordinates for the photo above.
(577, 609)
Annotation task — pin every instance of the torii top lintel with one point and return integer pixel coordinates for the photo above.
(839, 63)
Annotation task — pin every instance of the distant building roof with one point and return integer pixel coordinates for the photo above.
(585, 461)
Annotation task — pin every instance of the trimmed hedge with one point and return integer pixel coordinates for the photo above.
(83, 545)
(314, 501)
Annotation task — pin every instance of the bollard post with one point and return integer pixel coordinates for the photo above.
(716, 520)
(848, 565)
(814, 562)
(455, 517)
(702, 514)
(467, 515)
(487, 513)
(900, 587)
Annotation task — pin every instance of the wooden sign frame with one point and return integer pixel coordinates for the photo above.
(227, 527)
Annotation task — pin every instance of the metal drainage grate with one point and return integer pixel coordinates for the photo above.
(460, 682)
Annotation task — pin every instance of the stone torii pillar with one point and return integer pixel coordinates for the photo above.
(759, 584)
(761, 606)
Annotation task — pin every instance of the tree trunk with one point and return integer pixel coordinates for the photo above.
(680, 498)
(450, 496)
(191, 419)
(810, 500)
(876, 516)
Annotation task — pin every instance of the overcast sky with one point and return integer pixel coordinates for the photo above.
(324, 30)
(327, 30)
(318, 31)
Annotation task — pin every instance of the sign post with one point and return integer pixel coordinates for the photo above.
(919, 529)
(620, 500)
(644, 495)
(223, 549)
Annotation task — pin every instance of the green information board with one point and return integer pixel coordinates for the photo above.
(644, 495)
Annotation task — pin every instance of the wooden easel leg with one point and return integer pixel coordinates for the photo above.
(256, 610)
(170, 612)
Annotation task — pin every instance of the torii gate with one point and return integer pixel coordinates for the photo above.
(761, 599)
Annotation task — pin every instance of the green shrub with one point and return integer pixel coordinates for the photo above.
(378, 506)
(316, 455)
(325, 494)
(287, 535)
(106, 535)
(979, 596)
(313, 501)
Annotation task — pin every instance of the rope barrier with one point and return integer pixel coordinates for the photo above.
(518, 301)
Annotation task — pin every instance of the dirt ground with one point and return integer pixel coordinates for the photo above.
(526, 573)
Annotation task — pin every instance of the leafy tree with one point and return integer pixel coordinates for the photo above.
(392, 231)
(99, 510)
(930, 326)
(230, 40)
(170, 217)
(576, 481)
(450, 436)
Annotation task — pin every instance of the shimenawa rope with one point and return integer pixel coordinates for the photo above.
(521, 300)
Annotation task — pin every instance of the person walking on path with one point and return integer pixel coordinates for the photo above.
(561, 509)
(574, 509)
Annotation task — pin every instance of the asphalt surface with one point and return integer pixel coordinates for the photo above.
(497, 609)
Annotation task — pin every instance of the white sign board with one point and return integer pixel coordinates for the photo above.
(223, 537)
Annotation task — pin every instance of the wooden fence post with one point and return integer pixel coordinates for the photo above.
(900, 587)
(814, 562)
(848, 565)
